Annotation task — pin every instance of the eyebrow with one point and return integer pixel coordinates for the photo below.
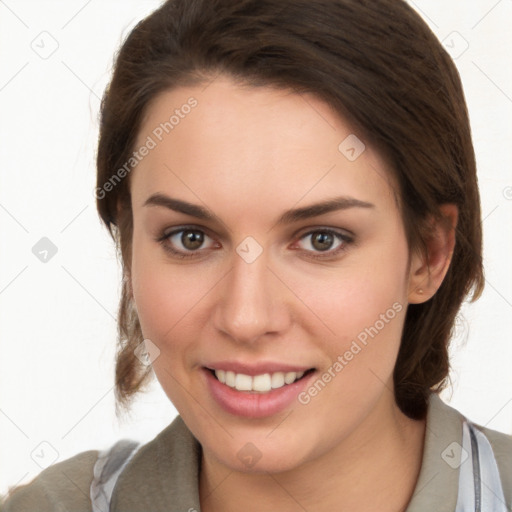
(288, 217)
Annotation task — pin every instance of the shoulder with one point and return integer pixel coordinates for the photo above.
(489, 441)
(64, 486)
(166, 469)
(501, 445)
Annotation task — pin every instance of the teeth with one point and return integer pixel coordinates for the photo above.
(289, 377)
(260, 383)
(230, 379)
(243, 382)
(277, 380)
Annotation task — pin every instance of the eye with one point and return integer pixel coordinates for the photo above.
(189, 242)
(325, 241)
(185, 242)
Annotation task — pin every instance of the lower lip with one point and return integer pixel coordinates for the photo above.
(254, 405)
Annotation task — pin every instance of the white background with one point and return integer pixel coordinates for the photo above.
(57, 319)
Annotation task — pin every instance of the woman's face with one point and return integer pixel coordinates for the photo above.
(238, 270)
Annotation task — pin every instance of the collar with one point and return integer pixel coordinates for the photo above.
(438, 481)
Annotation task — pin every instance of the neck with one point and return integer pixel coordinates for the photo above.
(376, 468)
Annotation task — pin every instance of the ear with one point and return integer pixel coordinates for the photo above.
(428, 270)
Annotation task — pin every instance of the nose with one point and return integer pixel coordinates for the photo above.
(251, 302)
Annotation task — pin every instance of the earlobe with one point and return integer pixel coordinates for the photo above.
(429, 268)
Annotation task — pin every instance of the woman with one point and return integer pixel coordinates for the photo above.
(292, 188)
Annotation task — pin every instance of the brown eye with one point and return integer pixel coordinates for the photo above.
(192, 240)
(322, 241)
(186, 242)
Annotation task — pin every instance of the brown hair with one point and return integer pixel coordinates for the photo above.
(379, 66)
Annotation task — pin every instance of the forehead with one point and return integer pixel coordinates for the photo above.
(224, 142)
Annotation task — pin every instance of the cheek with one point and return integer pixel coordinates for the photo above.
(168, 298)
(362, 310)
(160, 296)
(354, 296)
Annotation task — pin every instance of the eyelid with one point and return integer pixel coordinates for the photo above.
(313, 229)
(185, 227)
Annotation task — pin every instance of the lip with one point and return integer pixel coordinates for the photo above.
(256, 369)
(251, 404)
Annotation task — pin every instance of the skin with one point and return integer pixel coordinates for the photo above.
(247, 155)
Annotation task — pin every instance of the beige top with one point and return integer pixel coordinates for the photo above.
(163, 474)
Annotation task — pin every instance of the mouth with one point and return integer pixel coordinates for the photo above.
(261, 383)
(256, 391)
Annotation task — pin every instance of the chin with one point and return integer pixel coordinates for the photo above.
(262, 451)
(252, 460)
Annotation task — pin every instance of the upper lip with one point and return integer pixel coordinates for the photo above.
(256, 368)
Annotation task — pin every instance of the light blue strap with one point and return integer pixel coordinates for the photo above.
(107, 469)
(480, 487)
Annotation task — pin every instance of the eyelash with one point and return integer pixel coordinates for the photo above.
(345, 240)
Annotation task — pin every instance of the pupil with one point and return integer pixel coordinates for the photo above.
(192, 239)
(324, 239)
